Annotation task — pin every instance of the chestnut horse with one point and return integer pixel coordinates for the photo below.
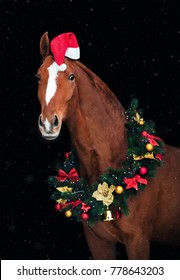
(96, 123)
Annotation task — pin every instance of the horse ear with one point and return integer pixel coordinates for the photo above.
(44, 45)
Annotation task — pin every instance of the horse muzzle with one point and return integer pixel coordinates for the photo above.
(49, 129)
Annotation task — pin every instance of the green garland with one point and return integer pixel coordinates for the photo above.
(76, 198)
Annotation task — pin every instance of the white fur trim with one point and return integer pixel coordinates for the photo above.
(73, 53)
(61, 67)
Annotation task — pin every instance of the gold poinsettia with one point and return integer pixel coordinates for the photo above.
(64, 189)
(104, 193)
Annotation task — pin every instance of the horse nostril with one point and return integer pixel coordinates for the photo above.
(56, 121)
(40, 121)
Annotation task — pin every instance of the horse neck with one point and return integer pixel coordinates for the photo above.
(97, 127)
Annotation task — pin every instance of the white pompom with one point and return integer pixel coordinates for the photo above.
(61, 67)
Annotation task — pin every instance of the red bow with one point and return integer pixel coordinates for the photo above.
(151, 138)
(133, 182)
(63, 176)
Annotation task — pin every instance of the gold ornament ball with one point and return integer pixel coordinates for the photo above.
(141, 122)
(68, 213)
(119, 189)
(149, 147)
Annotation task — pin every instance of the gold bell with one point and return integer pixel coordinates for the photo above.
(108, 216)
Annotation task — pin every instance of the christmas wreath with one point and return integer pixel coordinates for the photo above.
(106, 199)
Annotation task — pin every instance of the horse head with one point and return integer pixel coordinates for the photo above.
(56, 91)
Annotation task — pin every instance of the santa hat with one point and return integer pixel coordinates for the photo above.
(64, 45)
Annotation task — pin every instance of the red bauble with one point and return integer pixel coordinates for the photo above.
(57, 206)
(66, 155)
(85, 216)
(144, 133)
(143, 170)
(118, 214)
(159, 156)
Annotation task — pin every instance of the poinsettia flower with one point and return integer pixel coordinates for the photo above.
(85, 207)
(104, 193)
(64, 189)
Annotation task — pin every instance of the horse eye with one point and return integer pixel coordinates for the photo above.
(71, 77)
(38, 77)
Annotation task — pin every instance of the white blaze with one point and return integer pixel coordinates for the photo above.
(51, 84)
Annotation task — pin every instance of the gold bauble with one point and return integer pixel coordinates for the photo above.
(68, 213)
(141, 122)
(149, 147)
(119, 189)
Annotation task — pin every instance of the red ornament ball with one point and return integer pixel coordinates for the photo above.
(159, 156)
(143, 170)
(144, 133)
(66, 155)
(85, 216)
(57, 207)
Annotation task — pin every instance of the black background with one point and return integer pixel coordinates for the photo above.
(134, 47)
